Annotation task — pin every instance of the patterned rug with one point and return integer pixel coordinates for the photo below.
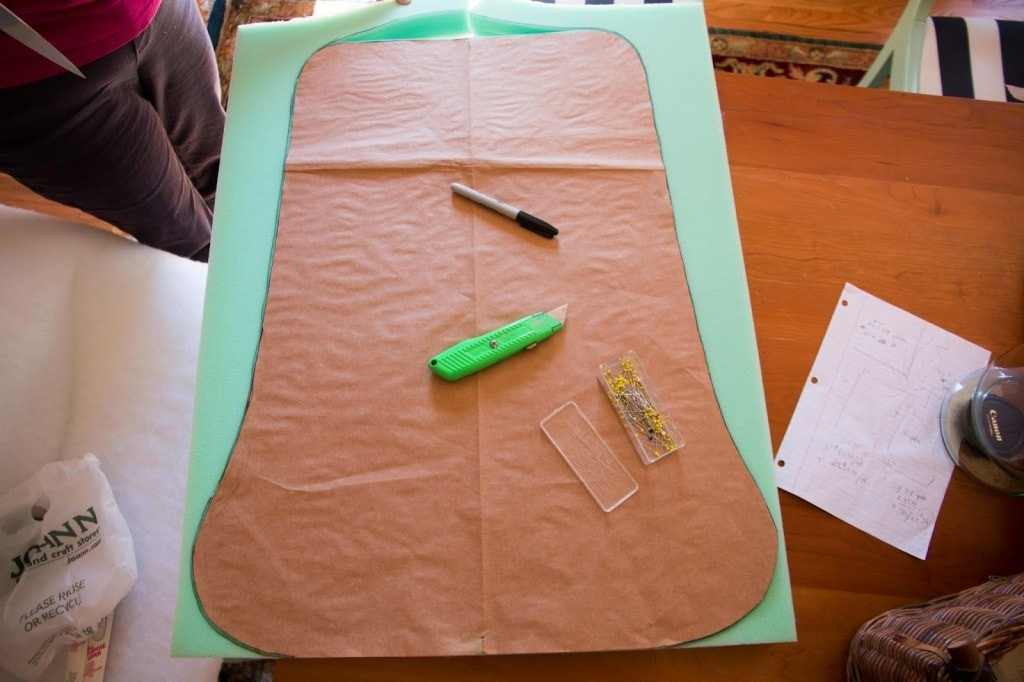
(795, 57)
(747, 52)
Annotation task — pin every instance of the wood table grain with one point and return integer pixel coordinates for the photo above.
(918, 200)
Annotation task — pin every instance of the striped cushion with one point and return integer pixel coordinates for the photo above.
(973, 57)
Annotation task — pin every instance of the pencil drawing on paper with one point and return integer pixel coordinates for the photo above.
(868, 449)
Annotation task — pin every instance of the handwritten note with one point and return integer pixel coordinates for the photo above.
(864, 442)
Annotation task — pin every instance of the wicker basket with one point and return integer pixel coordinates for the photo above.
(955, 638)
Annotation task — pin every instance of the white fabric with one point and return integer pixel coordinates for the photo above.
(98, 344)
(986, 59)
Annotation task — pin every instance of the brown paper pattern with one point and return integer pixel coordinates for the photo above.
(372, 509)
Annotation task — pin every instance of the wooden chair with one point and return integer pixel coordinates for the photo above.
(973, 57)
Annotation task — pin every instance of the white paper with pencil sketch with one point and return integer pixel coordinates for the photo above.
(864, 442)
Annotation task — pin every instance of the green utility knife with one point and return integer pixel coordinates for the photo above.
(473, 355)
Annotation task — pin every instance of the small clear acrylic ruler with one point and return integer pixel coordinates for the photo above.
(864, 442)
(589, 456)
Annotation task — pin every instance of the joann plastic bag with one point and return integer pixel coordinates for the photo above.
(70, 560)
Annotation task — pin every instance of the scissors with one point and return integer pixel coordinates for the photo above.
(27, 36)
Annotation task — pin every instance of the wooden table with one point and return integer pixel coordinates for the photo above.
(918, 200)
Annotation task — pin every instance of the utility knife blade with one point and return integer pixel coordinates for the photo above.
(473, 355)
(12, 25)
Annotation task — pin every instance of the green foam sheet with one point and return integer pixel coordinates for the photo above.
(671, 40)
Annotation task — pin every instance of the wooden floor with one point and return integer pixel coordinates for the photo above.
(866, 21)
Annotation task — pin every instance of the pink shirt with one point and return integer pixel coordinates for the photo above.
(84, 30)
